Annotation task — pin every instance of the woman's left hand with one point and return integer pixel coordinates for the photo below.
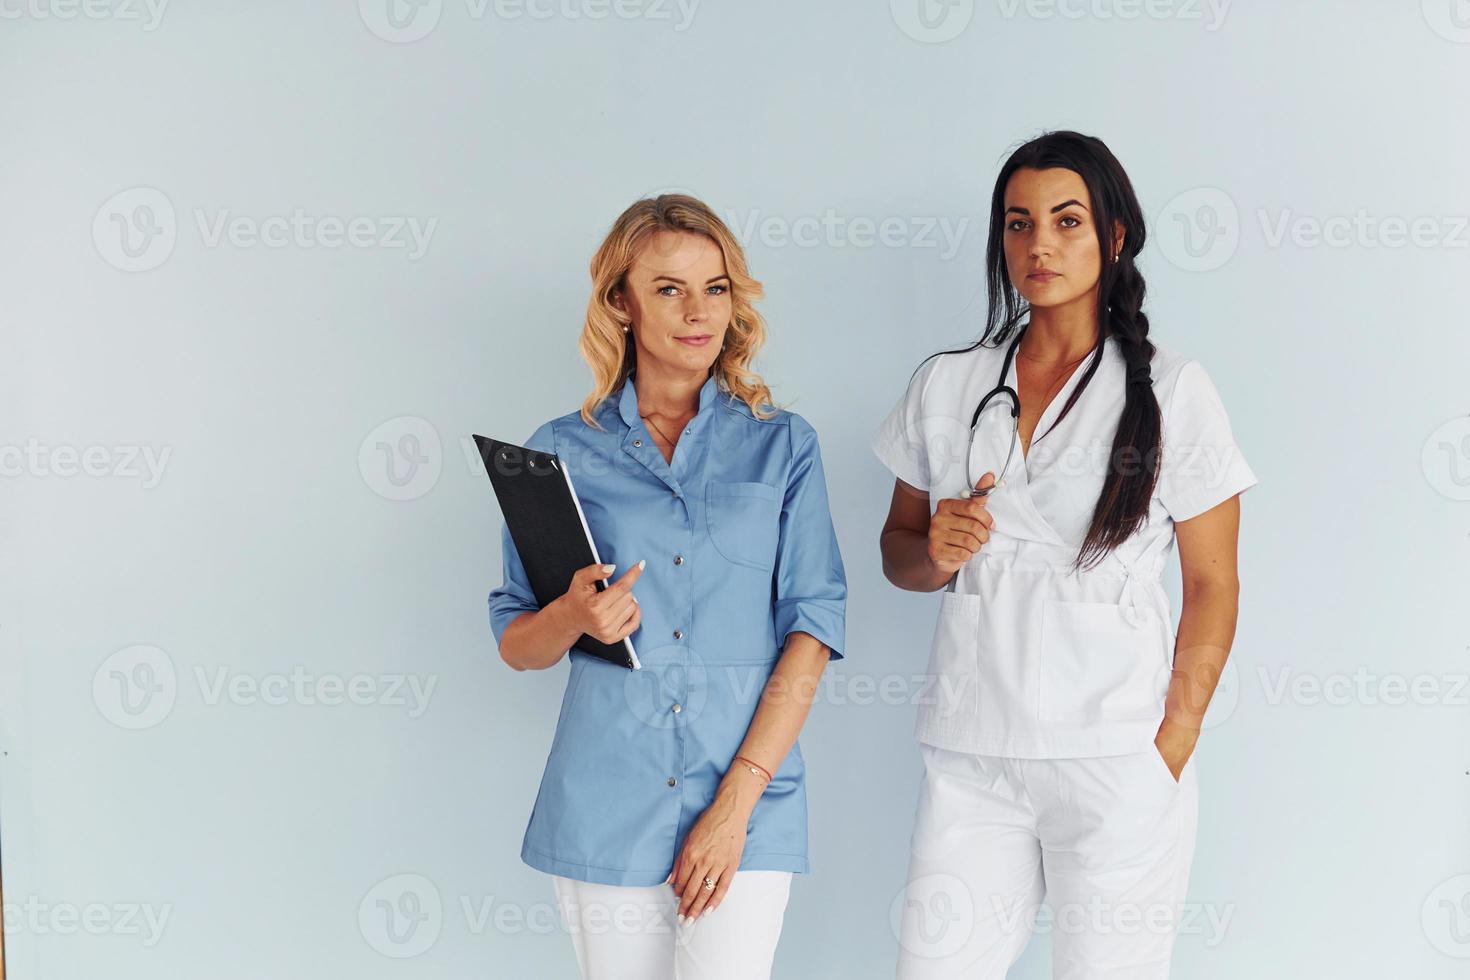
(1176, 744)
(711, 850)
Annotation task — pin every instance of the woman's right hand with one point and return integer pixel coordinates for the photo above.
(609, 615)
(959, 528)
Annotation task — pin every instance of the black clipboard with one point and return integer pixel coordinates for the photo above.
(550, 531)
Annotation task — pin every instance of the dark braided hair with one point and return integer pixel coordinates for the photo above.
(1133, 463)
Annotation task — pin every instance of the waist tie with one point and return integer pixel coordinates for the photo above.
(1135, 597)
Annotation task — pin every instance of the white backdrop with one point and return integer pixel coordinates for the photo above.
(265, 266)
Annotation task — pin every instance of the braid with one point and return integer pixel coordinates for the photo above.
(1122, 507)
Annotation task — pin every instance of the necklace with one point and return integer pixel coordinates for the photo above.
(661, 432)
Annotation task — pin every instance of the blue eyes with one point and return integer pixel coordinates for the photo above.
(719, 290)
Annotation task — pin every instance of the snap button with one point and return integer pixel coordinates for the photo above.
(672, 780)
(678, 634)
(637, 443)
(677, 708)
(678, 559)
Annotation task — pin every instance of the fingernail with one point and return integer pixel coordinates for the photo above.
(635, 598)
(608, 569)
(707, 911)
(642, 562)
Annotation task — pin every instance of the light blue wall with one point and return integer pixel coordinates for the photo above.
(1333, 824)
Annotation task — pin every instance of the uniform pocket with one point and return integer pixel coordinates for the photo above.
(1162, 767)
(954, 656)
(744, 521)
(577, 663)
(1097, 667)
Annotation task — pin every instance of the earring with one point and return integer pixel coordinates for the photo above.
(625, 329)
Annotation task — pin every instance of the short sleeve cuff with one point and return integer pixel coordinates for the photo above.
(823, 619)
(505, 605)
(899, 459)
(1238, 480)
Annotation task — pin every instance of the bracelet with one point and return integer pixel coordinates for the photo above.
(1179, 724)
(757, 770)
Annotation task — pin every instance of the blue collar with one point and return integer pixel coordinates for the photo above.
(628, 402)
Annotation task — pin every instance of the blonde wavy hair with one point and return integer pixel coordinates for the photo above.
(611, 353)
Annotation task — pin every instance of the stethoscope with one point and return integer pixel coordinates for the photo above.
(1004, 391)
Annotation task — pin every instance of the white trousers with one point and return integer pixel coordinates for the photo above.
(1108, 842)
(623, 932)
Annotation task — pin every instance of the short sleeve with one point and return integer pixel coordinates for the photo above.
(810, 584)
(514, 596)
(1202, 465)
(901, 442)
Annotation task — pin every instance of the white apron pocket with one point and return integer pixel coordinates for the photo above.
(954, 657)
(1097, 667)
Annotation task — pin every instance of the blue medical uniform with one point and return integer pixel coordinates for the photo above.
(741, 553)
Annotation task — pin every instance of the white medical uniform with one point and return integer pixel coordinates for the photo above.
(1048, 684)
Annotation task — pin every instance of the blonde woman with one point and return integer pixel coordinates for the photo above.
(672, 812)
